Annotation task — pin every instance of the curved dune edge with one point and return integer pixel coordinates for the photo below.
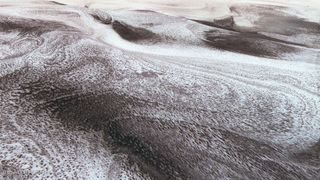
(108, 94)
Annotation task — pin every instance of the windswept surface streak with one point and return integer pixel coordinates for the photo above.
(159, 91)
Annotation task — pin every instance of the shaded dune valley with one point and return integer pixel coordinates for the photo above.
(158, 90)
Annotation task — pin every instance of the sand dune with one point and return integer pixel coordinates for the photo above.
(159, 90)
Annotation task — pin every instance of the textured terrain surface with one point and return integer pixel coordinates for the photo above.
(89, 93)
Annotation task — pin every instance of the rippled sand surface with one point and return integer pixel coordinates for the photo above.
(160, 89)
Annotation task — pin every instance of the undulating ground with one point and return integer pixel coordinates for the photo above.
(160, 89)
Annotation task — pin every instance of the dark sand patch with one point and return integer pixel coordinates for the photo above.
(57, 3)
(132, 33)
(248, 43)
(226, 23)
